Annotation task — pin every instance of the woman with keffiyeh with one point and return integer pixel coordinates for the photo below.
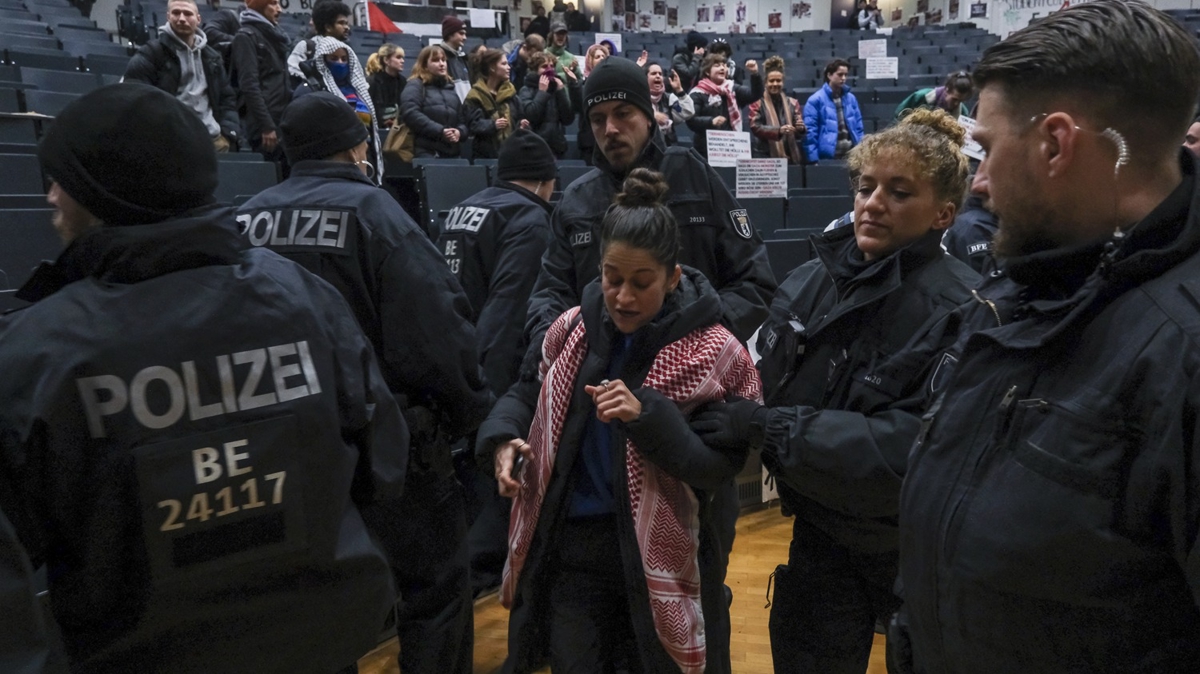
(335, 68)
(614, 563)
(718, 101)
(776, 122)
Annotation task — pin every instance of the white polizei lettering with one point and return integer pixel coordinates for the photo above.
(196, 409)
(228, 390)
(341, 242)
(206, 465)
(466, 218)
(258, 362)
(276, 231)
(303, 238)
(89, 392)
(254, 227)
(244, 222)
(305, 227)
(310, 370)
(232, 457)
(140, 406)
(329, 225)
(281, 372)
(477, 219)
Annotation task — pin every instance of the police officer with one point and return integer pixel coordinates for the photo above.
(25, 647)
(189, 427)
(970, 237)
(493, 242)
(332, 219)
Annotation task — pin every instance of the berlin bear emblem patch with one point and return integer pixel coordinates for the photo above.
(741, 223)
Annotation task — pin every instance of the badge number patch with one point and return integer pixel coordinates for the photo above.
(741, 223)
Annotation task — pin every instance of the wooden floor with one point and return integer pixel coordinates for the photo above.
(762, 543)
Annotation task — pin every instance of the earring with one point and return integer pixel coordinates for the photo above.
(370, 168)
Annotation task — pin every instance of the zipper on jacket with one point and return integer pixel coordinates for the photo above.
(991, 305)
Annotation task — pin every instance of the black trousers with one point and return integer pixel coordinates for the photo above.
(827, 599)
(591, 631)
(425, 537)
(488, 535)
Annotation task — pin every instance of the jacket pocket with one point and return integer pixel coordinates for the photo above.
(1075, 448)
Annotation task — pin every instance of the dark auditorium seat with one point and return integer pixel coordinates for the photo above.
(785, 255)
(825, 174)
(816, 212)
(455, 184)
(236, 178)
(68, 82)
(21, 174)
(767, 215)
(51, 59)
(29, 238)
(48, 102)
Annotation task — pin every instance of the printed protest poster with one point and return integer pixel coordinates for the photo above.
(725, 148)
(883, 68)
(762, 179)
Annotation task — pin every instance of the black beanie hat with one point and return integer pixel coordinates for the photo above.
(131, 154)
(696, 39)
(525, 156)
(317, 125)
(451, 25)
(617, 78)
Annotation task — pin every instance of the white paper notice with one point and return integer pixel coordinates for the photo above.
(483, 18)
(883, 31)
(725, 148)
(883, 68)
(614, 38)
(761, 178)
(970, 147)
(872, 49)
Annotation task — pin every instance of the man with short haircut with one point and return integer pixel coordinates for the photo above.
(259, 74)
(519, 58)
(330, 18)
(1050, 516)
(454, 36)
(540, 24)
(190, 429)
(221, 26)
(181, 63)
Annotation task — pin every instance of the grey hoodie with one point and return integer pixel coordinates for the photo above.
(193, 87)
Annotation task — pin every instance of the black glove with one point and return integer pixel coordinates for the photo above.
(735, 425)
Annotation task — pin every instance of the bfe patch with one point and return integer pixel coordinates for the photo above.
(741, 223)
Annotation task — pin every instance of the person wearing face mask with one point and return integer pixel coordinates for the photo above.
(718, 101)
(670, 107)
(431, 108)
(615, 562)
(334, 68)
(951, 97)
(546, 103)
(402, 292)
(776, 123)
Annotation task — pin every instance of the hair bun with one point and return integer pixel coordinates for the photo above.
(938, 121)
(773, 64)
(643, 188)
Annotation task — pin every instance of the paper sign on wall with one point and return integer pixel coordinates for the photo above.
(883, 68)
(883, 31)
(870, 49)
(761, 178)
(970, 147)
(614, 38)
(725, 148)
(483, 18)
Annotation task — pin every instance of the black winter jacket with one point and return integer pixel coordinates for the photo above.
(188, 431)
(157, 64)
(970, 237)
(687, 64)
(662, 434)
(549, 113)
(846, 353)
(493, 242)
(1049, 517)
(428, 110)
(220, 29)
(334, 221)
(385, 95)
(717, 238)
(260, 76)
(709, 107)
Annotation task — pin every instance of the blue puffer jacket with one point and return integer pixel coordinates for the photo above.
(820, 116)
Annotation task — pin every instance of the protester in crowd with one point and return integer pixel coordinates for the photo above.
(688, 59)
(970, 237)
(869, 17)
(334, 68)
(165, 504)
(577, 21)
(540, 24)
(385, 76)
(832, 117)
(1191, 139)
(1047, 518)
(670, 107)
(590, 582)
(584, 138)
(260, 76)
(181, 63)
(721, 46)
(776, 122)
(518, 58)
(330, 18)
(860, 7)
(718, 101)
(473, 61)
(595, 54)
(454, 36)
(221, 26)
(852, 338)
(566, 63)
(951, 97)
(402, 294)
(546, 103)
(492, 110)
(431, 108)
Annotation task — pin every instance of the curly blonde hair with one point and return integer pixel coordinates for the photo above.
(931, 141)
(772, 65)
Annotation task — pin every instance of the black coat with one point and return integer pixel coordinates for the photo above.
(428, 110)
(1049, 514)
(157, 64)
(687, 64)
(385, 95)
(220, 28)
(549, 113)
(846, 353)
(663, 436)
(970, 237)
(160, 362)
(709, 107)
(260, 76)
(493, 243)
(539, 25)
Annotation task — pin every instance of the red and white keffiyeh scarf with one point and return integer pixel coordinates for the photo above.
(706, 365)
(726, 90)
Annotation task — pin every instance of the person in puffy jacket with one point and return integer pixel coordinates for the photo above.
(832, 117)
(431, 108)
(546, 103)
(718, 101)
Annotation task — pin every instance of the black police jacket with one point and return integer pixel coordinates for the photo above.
(493, 242)
(258, 70)
(1050, 517)
(25, 647)
(158, 65)
(716, 234)
(970, 237)
(846, 352)
(188, 430)
(330, 218)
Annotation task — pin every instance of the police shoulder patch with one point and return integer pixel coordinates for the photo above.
(741, 223)
(941, 374)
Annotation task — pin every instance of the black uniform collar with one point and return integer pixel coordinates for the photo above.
(651, 156)
(839, 252)
(505, 185)
(136, 253)
(318, 168)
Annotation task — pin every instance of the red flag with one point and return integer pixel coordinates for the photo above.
(380, 23)
(1065, 5)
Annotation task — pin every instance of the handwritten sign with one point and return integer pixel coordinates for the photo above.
(883, 68)
(871, 49)
(725, 148)
(762, 179)
(614, 38)
(970, 147)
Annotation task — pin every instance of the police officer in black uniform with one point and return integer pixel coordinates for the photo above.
(493, 242)
(189, 427)
(25, 647)
(331, 218)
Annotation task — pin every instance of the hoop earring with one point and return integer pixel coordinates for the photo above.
(370, 168)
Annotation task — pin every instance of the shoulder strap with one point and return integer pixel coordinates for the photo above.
(310, 49)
